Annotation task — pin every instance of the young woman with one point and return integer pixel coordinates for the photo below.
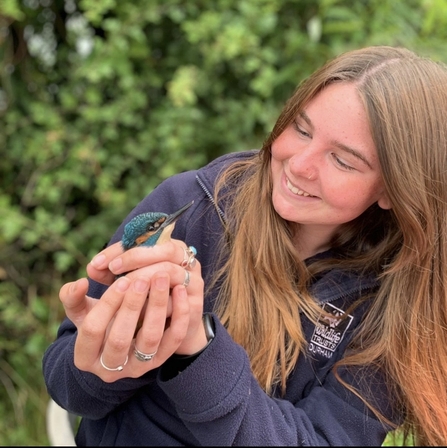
(322, 273)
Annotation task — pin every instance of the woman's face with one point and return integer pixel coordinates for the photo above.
(325, 168)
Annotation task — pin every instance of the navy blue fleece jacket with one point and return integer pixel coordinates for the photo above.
(216, 400)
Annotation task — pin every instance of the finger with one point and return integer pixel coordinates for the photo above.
(191, 278)
(195, 338)
(92, 332)
(177, 325)
(76, 303)
(119, 338)
(141, 256)
(151, 332)
(98, 268)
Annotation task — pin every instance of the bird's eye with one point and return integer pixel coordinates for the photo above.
(154, 226)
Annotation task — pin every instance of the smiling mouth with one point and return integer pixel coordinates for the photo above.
(297, 191)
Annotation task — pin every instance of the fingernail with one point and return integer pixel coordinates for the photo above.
(98, 261)
(161, 283)
(140, 285)
(115, 265)
(122, 284)
(73, 286)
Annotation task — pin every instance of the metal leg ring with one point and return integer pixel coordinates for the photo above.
(116, 369)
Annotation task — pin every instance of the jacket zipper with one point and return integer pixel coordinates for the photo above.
(210, 197)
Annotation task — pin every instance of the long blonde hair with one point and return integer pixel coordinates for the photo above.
(264, 284)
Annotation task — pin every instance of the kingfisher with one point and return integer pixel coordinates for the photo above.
(149, 229)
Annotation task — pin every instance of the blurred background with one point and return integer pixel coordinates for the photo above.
(102, 99)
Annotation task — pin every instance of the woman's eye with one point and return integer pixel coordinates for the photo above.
(339, 162)
(300, 130)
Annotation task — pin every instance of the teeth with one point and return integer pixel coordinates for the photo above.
(295, 190)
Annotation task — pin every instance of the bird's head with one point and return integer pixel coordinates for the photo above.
(148, 229)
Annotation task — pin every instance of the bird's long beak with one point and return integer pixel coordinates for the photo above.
(176, 215)
(168, 225)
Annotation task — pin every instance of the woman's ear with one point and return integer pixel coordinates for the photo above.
(384, 202)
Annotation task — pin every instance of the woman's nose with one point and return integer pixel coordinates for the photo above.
(304, 164)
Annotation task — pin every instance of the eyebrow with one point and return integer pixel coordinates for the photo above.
(336, 143)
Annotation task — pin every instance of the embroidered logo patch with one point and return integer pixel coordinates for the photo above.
(329, 331)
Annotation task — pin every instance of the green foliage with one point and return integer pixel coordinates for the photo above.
(102, 99)
(397, 438)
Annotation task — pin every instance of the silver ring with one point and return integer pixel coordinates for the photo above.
(143, 356)
(189, 260)
(116, 369)
(187, 278)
